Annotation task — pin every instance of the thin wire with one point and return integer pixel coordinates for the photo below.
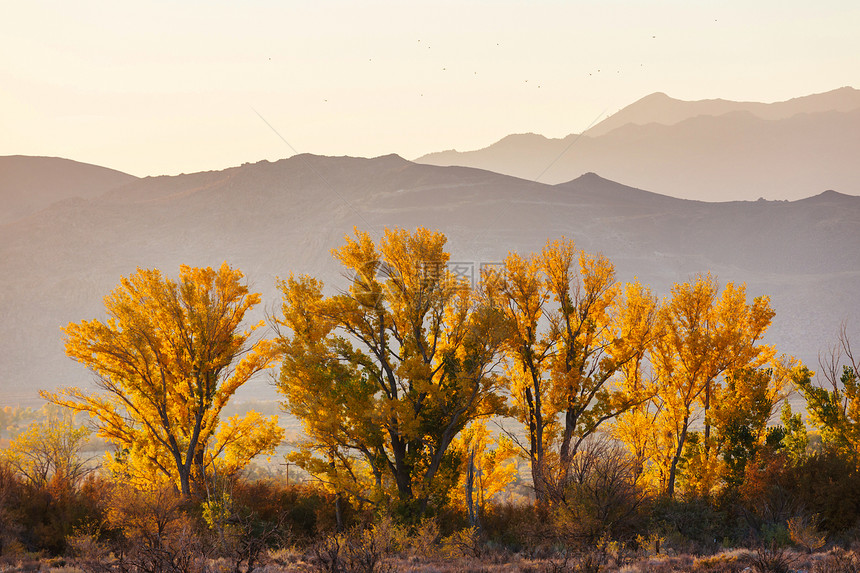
(575, 139)
(483, 235)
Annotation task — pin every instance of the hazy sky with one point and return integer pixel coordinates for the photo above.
(167, 87)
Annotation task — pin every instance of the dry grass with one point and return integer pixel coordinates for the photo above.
(415, 560)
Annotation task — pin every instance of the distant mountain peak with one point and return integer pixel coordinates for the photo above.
(663, 109)
(655, 97)
(318, 157)
(711, 150)
(830, 196)
(590, 176)
(393, 157)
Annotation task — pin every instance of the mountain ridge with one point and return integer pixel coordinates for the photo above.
(734, 156)
(670, 110)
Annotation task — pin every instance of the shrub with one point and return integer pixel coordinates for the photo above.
(303, 512)
(424, 543)
(688, 525)
(158, 534)
(360, 550)
(515, 526)
(10, 518)
(466, 543)
(89, 552)
(732, 562)
(40, 517)
(772, 558)
(804, 532)
(600, 496)
(828, 484)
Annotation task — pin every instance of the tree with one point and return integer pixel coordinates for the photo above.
(703, 335)
(576, 339)
(483, 472)
(834, 403)
(384, 376)
(742, 407)
(795, 440)
(14, 419)
(169, 358)
(50, 449)
(746, 403)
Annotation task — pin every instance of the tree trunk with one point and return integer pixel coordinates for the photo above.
(338, 512)
(185, 481)
(539, 480)
(402, 473)
(470, 490)
(707, 421)
(670, 488)
(536, 453)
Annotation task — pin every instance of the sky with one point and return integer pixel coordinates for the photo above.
(154, 88)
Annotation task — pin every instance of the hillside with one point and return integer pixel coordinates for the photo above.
(29, 184)
(270, 219)
(713, 150)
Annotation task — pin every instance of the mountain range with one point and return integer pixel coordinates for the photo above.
(273, 218)
(711, 150)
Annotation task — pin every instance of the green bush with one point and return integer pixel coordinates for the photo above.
(692, 526)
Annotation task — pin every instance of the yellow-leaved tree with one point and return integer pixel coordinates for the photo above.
(483, 472)
(703, 335)
(576, 340)
(49, 450)
(169, 357)
(385, 375)
(744, 404)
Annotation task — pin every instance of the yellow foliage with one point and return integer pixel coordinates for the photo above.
(576, 342)
(493, 469)
(805, 532)
(49, 449)
(384, 375)
(702, 335)
(169, 357)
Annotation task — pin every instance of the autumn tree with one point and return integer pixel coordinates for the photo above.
(576, 340)
(385, 375)
(169, 357)
(795, 439)
(50, 449)
(14, 419)
(703, 335)
(743, 405)
(483, 472)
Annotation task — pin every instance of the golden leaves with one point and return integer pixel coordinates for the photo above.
(390, 371)
(702, 334)
(575, 345)
(386, 374)
(169, 358)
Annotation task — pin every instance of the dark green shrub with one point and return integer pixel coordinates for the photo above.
(513, 525)
(828, 484)
(689, 525)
